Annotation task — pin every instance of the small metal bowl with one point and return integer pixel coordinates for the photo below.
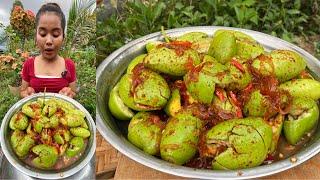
(112, 68)
(39, 173)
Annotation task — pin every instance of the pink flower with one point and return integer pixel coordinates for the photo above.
(30, 13)
(17, 8)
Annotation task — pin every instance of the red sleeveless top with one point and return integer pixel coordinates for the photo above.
(50, 83)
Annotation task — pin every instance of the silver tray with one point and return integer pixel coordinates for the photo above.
(113, 67)
(38, 173)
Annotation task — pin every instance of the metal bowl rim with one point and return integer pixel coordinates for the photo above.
(182, 171)
(58, 175)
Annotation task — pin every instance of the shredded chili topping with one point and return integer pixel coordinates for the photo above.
(193, 71)
(305, 75)
(268, 86)
(238, 65)
(178, 46)
(219, 92)
(155, 119)
(136, 77)
(183, 92)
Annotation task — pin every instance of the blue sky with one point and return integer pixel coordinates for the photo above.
(33, 5)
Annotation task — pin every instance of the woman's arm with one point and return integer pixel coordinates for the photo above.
(70, 90)
(25, 89)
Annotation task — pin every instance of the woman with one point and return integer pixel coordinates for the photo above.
(49, 72)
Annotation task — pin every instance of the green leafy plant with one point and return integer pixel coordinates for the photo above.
(132, 19)
(81, 24)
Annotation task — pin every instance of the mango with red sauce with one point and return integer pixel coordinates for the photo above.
(144, 90)
(171, 58)
(247, 142)
(47, 130)
(145, 132)
(180, 138)
(302, 118)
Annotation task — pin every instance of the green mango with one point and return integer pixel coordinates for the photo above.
(249, 50)
(223, 47)
(19, 121)
(75, 147)
(240, 36)
(42, 122)
(47, 156)
(201, 84)
(200, 41)
(240, 78)
(166, 60)
(21, 143)
(284, 64)
(134, 62)
(49, 109)
(257, 105)
(152, 45)
(64, 105)
(151, 94)
(144, 131)
(192, 36)
(302, 88)
(263, 65)
(288, 64)
(180, 138)
(174, 104)
(116, 106)
(247, 47)
(302, 118)
(58, 138)
(62, 136)
(32, 109)
(246, 143)
(80, 132)
(209, 58)
(276, 124)
(54, 121)
(73, 120)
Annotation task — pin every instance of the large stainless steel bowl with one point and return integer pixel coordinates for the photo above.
(46, 174)
(113, 67)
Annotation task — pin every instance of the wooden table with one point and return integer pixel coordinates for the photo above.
(129, 169)
(112, 164)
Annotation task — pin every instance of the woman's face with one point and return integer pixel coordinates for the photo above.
(49, 36)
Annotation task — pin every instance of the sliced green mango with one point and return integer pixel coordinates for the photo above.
(302, 118)
(167, 61)
(145, 131)
(180, 138)
(302, 88)
(174, 104)
(223, 47)
(247, 142)
(116, 106)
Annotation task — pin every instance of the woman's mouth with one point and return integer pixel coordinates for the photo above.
(49, 51)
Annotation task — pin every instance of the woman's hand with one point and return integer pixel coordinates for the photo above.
(67, 91)
(27, 92)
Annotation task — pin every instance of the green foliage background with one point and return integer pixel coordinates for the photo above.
(131, 19)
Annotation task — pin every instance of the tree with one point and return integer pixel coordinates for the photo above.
(22, 22)
(81, 24)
